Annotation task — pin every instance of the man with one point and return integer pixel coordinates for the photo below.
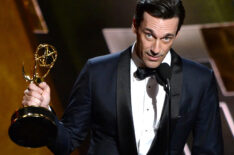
(127, 115)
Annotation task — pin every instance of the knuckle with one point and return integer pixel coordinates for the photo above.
(30, 86)
(26, 91)
(33, 93)
(31, 98)
(29, 93)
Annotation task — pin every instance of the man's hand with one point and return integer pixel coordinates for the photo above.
(37, 95)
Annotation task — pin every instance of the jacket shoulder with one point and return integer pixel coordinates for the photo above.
(108, 58)
(195, 73)
(195, 68)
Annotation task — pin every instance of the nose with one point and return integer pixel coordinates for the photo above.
(156, 46)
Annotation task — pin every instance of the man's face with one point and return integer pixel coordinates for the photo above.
(155, 37)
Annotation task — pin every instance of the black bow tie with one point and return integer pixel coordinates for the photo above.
(142, 73)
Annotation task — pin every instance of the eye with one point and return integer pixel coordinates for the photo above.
(167, 39)
(148, 35)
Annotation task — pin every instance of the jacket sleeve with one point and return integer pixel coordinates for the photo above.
(75, 124)
(207, 132)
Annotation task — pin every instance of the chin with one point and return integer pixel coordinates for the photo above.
(152, 64)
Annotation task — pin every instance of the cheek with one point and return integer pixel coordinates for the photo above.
(167, 47)
(145, 45)
(139, 49)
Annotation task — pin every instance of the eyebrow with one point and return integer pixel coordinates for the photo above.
(152, 32)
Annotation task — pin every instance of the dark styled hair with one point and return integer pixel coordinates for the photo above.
(165, 9)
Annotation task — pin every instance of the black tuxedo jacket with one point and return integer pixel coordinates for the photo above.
(101, 103)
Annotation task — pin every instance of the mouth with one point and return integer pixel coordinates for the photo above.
(153, 56)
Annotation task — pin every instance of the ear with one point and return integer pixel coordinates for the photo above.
(134, 29)
(178, 33)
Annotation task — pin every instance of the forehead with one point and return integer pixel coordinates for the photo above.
(159, 25)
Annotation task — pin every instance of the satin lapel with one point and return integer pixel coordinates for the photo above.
(160, 141)
(176, 87)
(126, 135)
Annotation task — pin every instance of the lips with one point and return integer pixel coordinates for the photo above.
(152, 57)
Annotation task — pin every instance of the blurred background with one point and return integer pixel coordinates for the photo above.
(84, 29)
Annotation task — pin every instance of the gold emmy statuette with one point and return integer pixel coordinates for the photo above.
(35, 126)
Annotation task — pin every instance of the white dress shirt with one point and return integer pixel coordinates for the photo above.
(147, 100)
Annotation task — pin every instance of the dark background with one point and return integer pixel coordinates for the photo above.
(75, 29)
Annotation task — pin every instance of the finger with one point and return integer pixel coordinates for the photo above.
(31, 99)
(30, 103)
(30, 93)
(44, 87)
(33, 87)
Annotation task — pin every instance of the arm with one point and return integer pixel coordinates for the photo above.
(207, 131)
(73, 128)
(75, 124)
